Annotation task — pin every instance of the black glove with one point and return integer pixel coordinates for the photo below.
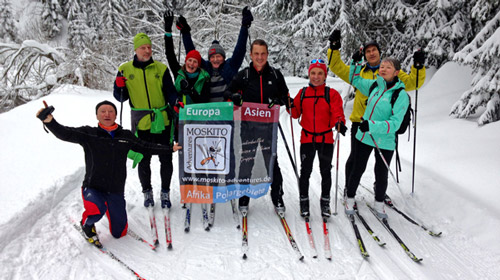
(168, 19)
(335, 40)
(182, 25)
(364, 126)
(45, 112)
(236, 98)
(273, 102)
(247, 17)
(185, 88)
(340, 127)
(357, 56)
(419, 59)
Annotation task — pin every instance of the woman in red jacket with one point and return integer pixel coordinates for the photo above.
(320, 110)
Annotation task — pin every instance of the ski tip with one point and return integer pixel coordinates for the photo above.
(435, 234)
(244, 256)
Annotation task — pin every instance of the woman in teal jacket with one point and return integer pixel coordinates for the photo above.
(381, 119)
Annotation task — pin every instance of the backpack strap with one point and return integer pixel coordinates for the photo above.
(302, 95)
(395, 96)
(372, 87)
(327, 95)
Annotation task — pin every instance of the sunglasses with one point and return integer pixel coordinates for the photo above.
(321, 61)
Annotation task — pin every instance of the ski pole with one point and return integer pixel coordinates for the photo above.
(414, 138)
(121, 101)
(388, 168)
(288, 151)
(180, 45)
(337, 139)
(291, 130)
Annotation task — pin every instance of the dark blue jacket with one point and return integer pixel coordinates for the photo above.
(230, 67)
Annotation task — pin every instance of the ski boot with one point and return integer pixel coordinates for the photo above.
(279, 205)
(304, 207)
(378, 206)
(243, 205)
(349, 206)
(325, 207)
(165, 199)
(91, 235)
(148, 198)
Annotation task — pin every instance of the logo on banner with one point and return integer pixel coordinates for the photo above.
(208, 148)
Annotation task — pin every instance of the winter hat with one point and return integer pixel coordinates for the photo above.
(317, 63)
(194, 54)
(371, 43)
(141, 39)
(215, 48)
(105, 102)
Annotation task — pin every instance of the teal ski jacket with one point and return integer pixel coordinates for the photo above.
(384, 119)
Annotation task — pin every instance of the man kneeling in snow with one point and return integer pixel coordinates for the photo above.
(105, 147)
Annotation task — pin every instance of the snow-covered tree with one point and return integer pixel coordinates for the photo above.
(7, 26)
(483, 55)
(52, 18)
(30, 71)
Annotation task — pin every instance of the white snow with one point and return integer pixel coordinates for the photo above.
(456, 192)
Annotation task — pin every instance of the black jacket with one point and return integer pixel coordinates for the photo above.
(265, 87)
(105, 155)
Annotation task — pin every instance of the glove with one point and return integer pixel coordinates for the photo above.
(291, 104)
(357, 56)
(185, 89)
(340, 127)
(236, 98)
(335, 40)
(120, 81)
(43, 114)
(364, 126)
(182, 25)
(178, 105)
(247, 17)
(168, 19)
(273, 102)
(419, 59)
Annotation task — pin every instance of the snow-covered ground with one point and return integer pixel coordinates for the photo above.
(456, 192)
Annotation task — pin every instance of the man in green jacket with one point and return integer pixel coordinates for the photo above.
(370, 70)
(148, 85)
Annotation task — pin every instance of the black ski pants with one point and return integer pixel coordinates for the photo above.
(363, 152)
(307, 154)
(352, 155)
(166, 166)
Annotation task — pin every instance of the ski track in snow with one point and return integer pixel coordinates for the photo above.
(40, 242)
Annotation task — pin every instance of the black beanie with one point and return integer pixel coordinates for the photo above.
(105, 102)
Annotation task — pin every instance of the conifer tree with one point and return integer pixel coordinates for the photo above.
(52, 18)
(7, 26)
(483, 55)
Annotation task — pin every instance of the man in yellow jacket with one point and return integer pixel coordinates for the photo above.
(371, 53)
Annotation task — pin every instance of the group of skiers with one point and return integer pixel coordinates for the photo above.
(155, 99)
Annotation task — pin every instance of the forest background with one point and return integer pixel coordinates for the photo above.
(48, 43)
